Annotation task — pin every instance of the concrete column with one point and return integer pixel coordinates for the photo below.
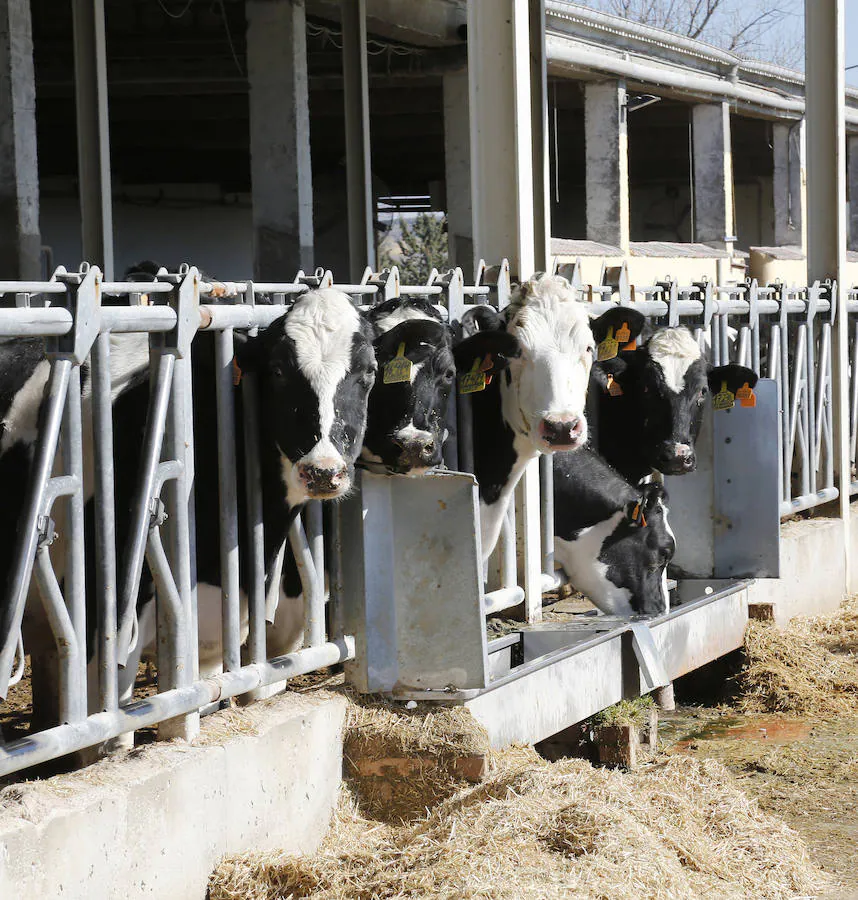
(281, 175)
(457, 169)
(826, 209)
(20, 242)
(607, 163)
(361, 207)
(713, 175)
(93, 140)
(789, 149)
(852, 143)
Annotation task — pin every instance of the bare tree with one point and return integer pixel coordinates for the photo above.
(761, 28)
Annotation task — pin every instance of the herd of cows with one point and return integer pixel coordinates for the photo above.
(340, 387)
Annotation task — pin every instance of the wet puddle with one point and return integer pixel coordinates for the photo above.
(772, 729)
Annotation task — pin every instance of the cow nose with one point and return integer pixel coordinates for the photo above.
(561, 431)
(417, 453)
(327, 476)
(685, 456)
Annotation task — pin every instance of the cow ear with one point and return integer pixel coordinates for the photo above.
(615, 368)
(252, 352)
(482, 318)
(635, 513)
(410, 332)
(494, 348)
(630, 324)
(732, 376)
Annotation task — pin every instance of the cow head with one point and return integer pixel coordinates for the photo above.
(406, 426)
(664, 386)
(638, 553)
(316, 367)
(544, 389)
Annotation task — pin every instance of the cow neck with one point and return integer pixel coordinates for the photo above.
(500, 458)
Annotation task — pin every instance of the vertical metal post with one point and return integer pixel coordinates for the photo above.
(256, 537)
(358, 167)
(826, 209)
(228, 502)
(93, 141)
(105, 524)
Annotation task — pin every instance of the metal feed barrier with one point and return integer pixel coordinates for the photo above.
(784, 334)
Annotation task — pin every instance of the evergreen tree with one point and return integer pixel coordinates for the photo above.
(422, 247)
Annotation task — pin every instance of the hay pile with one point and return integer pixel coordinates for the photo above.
(809, 668)
(404, 761)
(679, 828)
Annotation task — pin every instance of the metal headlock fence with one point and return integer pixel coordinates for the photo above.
(782, 333)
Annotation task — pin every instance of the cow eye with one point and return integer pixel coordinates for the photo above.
(449, 375)
(277, 373)
(701, 397)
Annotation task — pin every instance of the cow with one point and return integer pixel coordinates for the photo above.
(613, 540)
(537, 404)
(650, 397)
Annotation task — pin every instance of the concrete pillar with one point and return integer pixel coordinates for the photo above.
(93, 140)
(457, 168)
(361, 207)
(713, 175)
(20, 242)
(852, 157)
(789, 149)
(826, 209)
(281, 176)
(607, 163)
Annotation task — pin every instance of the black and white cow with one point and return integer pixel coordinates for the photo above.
(537, 405)
(651, 408)
(613, 540)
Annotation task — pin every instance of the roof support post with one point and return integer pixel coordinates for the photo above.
(607, 163)
(358, 167)
(20, 245)
(789, 149)
(457, 169)
(93, 140)
(713, 176)
(826, 209)
(281, 174)
(508, 181)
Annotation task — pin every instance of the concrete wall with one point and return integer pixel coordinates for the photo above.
(154, 824)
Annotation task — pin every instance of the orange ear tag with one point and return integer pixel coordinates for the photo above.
(236, 373)
(624, 334)
(638, 516)
(609, 347)
(474, 381)
(486, 366)
(746, 396)
(614, 388)
(399, 368)
(724, 399)
(632, 345)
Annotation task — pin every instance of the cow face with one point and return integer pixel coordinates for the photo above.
(405, 426)
(665, 386)
(544, 390)
(316, 367)
(637, 554)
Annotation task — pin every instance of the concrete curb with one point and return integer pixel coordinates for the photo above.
(155, 822)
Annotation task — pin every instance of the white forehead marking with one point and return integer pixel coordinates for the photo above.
(547, 315)
(400, 315)
(675, 351)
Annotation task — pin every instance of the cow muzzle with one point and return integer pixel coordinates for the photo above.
(676, 459)
(417, 453)
(563, 432)
(324, 479)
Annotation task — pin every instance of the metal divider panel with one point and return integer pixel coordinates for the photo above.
(746, 488)
(422, 625)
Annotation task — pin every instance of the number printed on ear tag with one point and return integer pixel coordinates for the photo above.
(609, 347)
(724, 399)
(473, 381)
(399, 368)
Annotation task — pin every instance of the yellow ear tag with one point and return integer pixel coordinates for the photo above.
(399, 368)
(609, 347)
(746, 396)
(624, 334)
(236, 373)
(614, 388)
(724, 399)
(474, 381)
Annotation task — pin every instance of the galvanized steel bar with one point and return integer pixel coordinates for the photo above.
(256, 533)
(227, 500)
(316, 539)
